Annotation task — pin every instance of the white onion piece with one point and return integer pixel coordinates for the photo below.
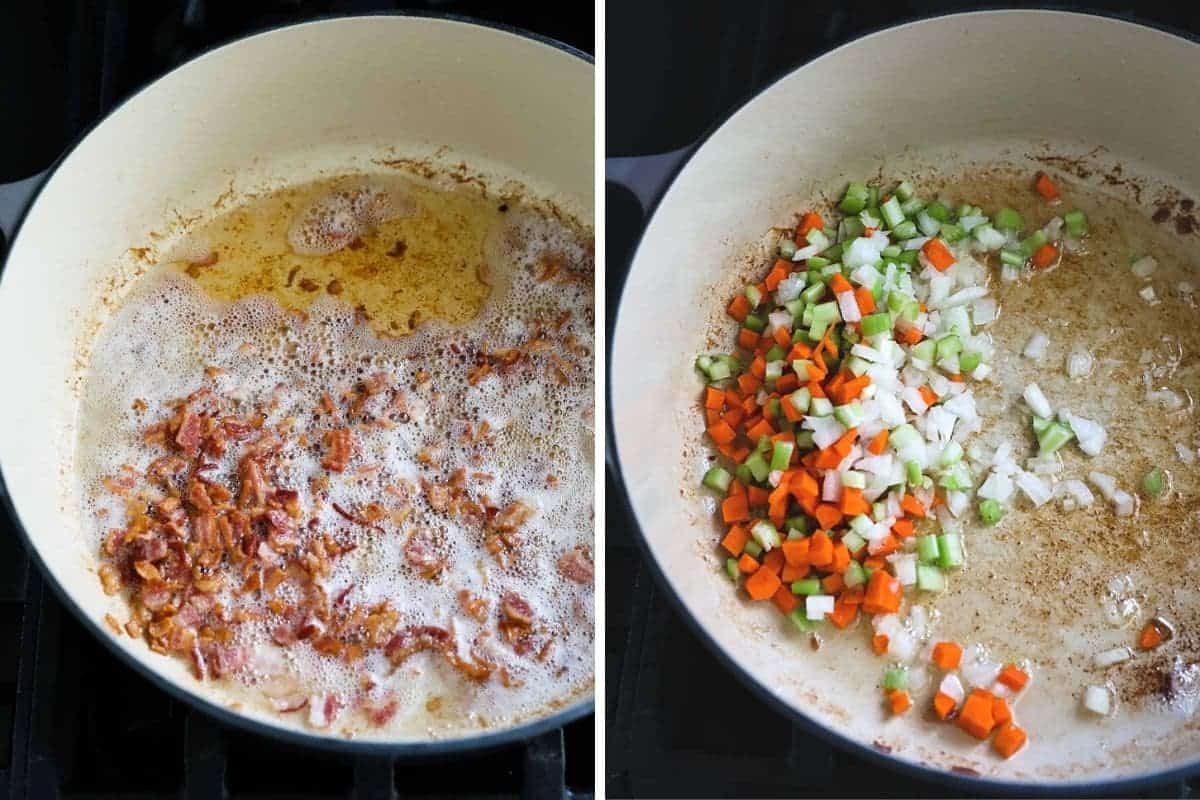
(1144, 267)
(1091, 435)
(1076, 490)
(848, 305)
(1034, 488)
(1036, 347)
(816, 606)
(1106, 484)
(904, 566)
(997, 487)
(1147, 294)
(1044, 465)
(777, 320)
(1108, 658)
(1186, 454)
(826, 430)
(790, 288)
(1037, 401)
(1123, 503)
(1098, 700)
(985, 311)
(1079, 363)
(952, 687)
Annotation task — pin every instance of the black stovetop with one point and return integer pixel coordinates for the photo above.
(75, 722)
(679, 724)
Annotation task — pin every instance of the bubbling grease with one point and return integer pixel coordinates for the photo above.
(169, 331)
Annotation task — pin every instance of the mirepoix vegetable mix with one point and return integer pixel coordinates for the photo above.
(843, 413)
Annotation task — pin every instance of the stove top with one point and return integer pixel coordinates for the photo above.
(669, 733)
(75, 722)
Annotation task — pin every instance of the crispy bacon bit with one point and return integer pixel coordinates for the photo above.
(309, 285)
(516, 611)
(139, 405)
(475, 607)
(254, 485)
(289, 703)
(422, 554)
(381, 714)
(323, 710)
(416, 639)
(576, 565)
(334, 287)
(112, 624)
(511, 517)
(476, 670)
(188, 435)
(109, 579)
(339, 447)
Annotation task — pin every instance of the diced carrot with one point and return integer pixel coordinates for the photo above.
(735, 541)
(843, 445)
(749, 385)
(777, 511)
(852, 503)
(878, 444)
(733, 416)
(784, 600)
(762, 584)
(735, 488)
(782, 337)
(733, 398)
(833, 386)
(777, 274)
(928, 395)
(747, 339)
(957, 377)
(883, 593)
(795, 551)
(1013, 677)
(747, 564)
(841, 558)
(827, 458)
(865, 299)
(809, 222)
(943, 705)
(739, 307)
(874, 562)
(795, 573)
(735, 509)
(1045, 186)
(786, 384)
(712, 416)
(938, 254)
(1009, 739)
(899, 701)
(903, 528)
(843, 613)
(937, 500)
(714, 398)
(820, 549)
(804, 485)
(815, 389)
(885, 546)
(853, 595)
(839, 285)
(1044, 256)
(947, 655)
(721, 433)
(760, 429)
(758, 367)
(851, 389)
(832, 583)
(910, 334)
(912, 506)
(879, 643)
(773, 560)
(975, 717)
(1151, 636)
(1000, 711)
(828, 516)
(757, 497)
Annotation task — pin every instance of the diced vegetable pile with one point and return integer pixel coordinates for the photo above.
(843, 413)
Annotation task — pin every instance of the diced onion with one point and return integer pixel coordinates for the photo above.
(1144, 267)
(1034, 488)
(1108, 658)
(1036, 347)
(952, 687)
(1037, 401)
(1098, 700)
(1106, 484)
(1186, 454)
(1079, 363)
(816, 606)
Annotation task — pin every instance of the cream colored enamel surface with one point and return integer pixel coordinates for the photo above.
(280, 107)
(1007, 84)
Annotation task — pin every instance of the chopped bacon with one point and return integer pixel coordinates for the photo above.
(188, 435)
(415, 639)
(339, 447)
(236, 429)
(439, 496)
(148, 548)
(198, 495)
(475, 607)
(511, 517)
(575, 565)
(289, 703)
(254, 485)
(289, 500)
(166, 471)
(381, 714)
(477, 670)
(422, 553)
(516, 610)
(155, 595)
(323, 710)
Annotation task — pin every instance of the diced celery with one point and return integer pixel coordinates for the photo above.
(1076, 223)
(855, 198)
(930, 578)
(806, 586)
(927, 549)
(817, 262)
(755, 323)
(1008, 219)
(787, 248)
(925, 350)
(800, 399)
(754, 295)
(874, 324)
(990, 511)
(952, 231)
(912, 472)
(798, 523)
(820, 407)
(1032, 242)
(854, 480)
(892, 215)
(781, 456)
(853, 543)
(905, 230)
(758, 466)
(731, 568)
(804, 440)
(938, 211)
(952, 453)
(1011, 258)
(718, 479)
(813, 293)
(773, 371)
(950, 553)
(850, 415)
(895, 678)
(904, 190)
(969, 360)
(903, 436)
(948, 346)
(1052, 437)
(928, 225)
(1155, 482)
(854, 575)
(800, 620)
(765, 534)
(753, 548)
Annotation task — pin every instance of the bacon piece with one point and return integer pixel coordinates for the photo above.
(422, 554)
(339, 447)
(477, 670)
(288, 500)
(281, 531)
(254, 485)
(188, 435)
(516, 610)
(511, 517)
(149, 548)
(415, 639)
(289, 703)
(576, 565)
(380, 715)
(166, 471)
(235, 429)
(323, 710)
(155, 595)
(475, 607)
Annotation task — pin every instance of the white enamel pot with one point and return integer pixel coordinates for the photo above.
(945, 93)
(277, 107)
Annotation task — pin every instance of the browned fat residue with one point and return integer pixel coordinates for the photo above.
(423, 262)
